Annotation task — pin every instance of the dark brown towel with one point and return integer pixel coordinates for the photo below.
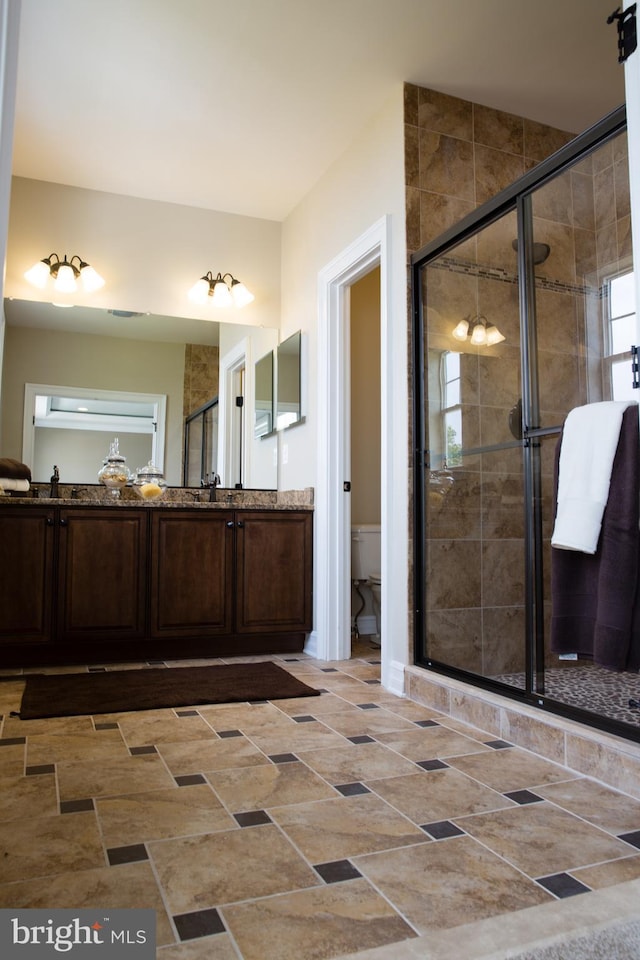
(14, 470)
(595, 598)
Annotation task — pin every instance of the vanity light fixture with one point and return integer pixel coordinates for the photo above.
(478, 332)
(65, 274)
(223, 292)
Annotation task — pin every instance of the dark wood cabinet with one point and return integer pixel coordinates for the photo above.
(26, 575)
(273, 571)
(102, 575)
(192, 573)
(103, 583)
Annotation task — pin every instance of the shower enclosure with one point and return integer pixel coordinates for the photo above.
(522, 311)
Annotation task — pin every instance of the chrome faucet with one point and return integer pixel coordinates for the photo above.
(212, 483)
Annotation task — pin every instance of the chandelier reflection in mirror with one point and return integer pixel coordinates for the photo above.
(64, 273)
(224, 290)
(478, 331)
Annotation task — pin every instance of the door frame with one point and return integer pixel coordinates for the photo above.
(331, 639)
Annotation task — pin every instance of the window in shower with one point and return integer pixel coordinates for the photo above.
(620, 310)
(451, 412)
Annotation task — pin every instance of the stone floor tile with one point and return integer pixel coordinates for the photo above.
(342, 828)
(446, 884)
(324, 923)
(196, 873)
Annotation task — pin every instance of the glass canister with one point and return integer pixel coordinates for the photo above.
(149, 483)
(114, 473)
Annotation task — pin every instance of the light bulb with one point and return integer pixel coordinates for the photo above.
(221, 294)
(461, 330)
(240, 295)
(91, 279)
(199, 291)
(479, 335)
(65, 282)
(38, 274)
(494, 336)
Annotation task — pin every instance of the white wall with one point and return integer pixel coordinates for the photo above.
(364, 185)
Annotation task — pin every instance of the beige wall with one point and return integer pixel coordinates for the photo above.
(85, 360)
(365, 399)
(149, 253)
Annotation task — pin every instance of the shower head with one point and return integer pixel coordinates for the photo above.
(540, 251)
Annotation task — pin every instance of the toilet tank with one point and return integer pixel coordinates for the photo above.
(365, 551)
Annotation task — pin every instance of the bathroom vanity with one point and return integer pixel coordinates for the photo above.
(97, 581)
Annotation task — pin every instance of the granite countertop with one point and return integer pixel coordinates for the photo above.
(174, 498)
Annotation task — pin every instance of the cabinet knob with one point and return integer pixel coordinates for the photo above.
(240, 523)
(229, 523)
(49, 521)
(64, 523)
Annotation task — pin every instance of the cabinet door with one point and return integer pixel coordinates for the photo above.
(191, 573)
(274, 571)
(102, 574)
(26, 565)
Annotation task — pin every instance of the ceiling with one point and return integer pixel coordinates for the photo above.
(241, 105)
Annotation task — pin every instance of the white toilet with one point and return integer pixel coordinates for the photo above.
(365, 569)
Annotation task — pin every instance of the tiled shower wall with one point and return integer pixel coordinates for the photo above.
(200, 376)
(458, 155)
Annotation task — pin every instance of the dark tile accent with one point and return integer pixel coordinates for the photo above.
(432, 764)
(375, 661)
(336, 871)
(283, 758)
(140, 751)
(368, 706)
(186, 713)
(426, 723)
(129, 854)
(188, 779)
(253, 818)
(40, 768)
(12, 741)
(329, 670)
(257, 703)
(76, 806)
(562, 885)
(373, 682)
(305, 719)
(291, 659)
(633, 838)
(352, 789)
(108, 725)
(200, 923)
(497, 744)
(523, 796)
(442, 829)
(364, 738)
(226, 734)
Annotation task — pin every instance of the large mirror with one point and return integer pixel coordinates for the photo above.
(117, 356)
(288, 406)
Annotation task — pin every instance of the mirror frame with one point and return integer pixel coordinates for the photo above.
(285, 349)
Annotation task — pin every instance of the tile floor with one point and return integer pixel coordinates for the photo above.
(298, 829)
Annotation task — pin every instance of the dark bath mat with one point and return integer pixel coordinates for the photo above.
(116, 691)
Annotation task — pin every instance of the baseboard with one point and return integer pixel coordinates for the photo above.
(311, 644)
(395, 679)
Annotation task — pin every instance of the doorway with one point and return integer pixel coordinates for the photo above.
(331, 638)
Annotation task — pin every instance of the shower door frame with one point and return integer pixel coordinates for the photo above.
(518, 198)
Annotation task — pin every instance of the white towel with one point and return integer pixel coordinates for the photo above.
(589, 442)
(7, 483)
